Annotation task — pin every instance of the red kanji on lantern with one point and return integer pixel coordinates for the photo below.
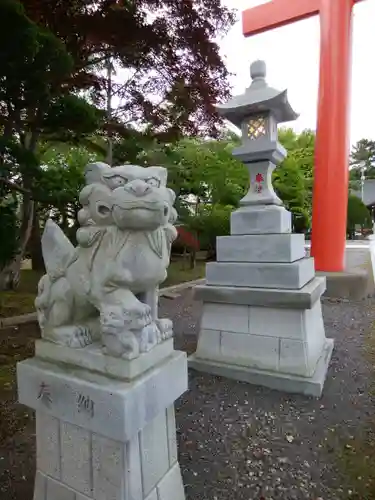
(258, 188)
(259, 178)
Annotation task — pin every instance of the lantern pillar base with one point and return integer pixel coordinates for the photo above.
(262, 318)
(308, 386)
(261, 219)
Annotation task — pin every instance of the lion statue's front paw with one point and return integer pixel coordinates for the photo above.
(75, 336)
(118, 340)
(138, 317)
(165, 327)
(148, 337)
(131, 347)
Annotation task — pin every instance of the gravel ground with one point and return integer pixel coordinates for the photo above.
(236, 441)
(244, 442)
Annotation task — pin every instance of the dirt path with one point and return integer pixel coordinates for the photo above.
(237, 441)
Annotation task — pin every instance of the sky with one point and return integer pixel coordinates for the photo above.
(292, 57)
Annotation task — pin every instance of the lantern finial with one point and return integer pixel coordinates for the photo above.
(258, 70)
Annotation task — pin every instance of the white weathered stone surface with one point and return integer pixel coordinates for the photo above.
(102, 437)
(209, 343)
(261, 317)
(76, 464)
(273, 322)
(261, 193)
(79, 496)
(153, 495)
(171, 487)
(106, 288)
(105, 376)
(134, 466)
(303, 298)
(268, 321)
(285, 340)
(250, 350)
(229, 317)
(293, 275)
(112, 470)
(48, 450)
(260, 248)
(264, 219)
(119, 407)
(92, 358)
(294, 358)
(286, 323)
(286, 382)
(108, 459)
(128, 451)
(154, 452)
(58, 491)
(171, 431)
(40, 485)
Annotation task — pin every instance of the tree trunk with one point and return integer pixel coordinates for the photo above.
(109, 156)
(37, 261)
(64, 220)
(10, 274)
(193, 259)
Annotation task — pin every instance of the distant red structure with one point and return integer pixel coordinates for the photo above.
(330, 195)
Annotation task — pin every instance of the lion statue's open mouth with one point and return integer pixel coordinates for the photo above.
(139, 215)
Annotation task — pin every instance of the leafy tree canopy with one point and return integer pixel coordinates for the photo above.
(200, 171)
(358, 214)
(293, 179)
(164, 50)
(363, 153)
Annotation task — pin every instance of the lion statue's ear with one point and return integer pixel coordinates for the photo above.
(160, 172)
(94, 172)
(84, 195)
(173, 216)
(172, 196)
(172, 211)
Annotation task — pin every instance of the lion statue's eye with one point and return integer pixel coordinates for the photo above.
(153, 181)
(117, 180)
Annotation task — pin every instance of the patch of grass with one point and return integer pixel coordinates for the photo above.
(29, 281)
(14, 304)
(179, 272)
(357, 461)
(356, 458)
(20, 301)
(15, 345)
(7, 376)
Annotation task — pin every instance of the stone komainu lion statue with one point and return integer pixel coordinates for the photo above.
(106, 289)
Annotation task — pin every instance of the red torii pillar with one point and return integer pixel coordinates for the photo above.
(330, 194)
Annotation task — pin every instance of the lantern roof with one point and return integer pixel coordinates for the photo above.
(258, 98)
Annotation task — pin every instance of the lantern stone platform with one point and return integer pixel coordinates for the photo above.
(262, 319)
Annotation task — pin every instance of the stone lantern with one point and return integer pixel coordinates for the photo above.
(262, 320)
(257, 113)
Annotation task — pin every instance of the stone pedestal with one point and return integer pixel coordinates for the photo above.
(262, 319)
(105, 426)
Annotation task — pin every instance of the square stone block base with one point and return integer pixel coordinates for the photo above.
(309, 386)
(75, 464)
(170, 487)
(102, 437)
